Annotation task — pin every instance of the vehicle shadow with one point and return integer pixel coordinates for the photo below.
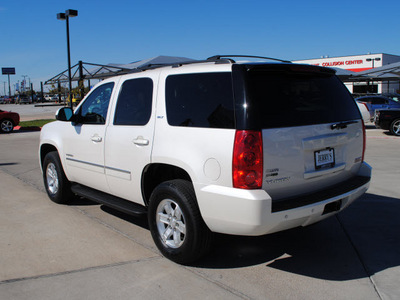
(388, 133)
(81, 201)
(357, 243)
(8, 164)
(140, 221)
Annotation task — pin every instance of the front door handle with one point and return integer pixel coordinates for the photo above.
(140, 141)
(96, 138)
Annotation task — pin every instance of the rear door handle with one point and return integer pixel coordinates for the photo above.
(140, 141)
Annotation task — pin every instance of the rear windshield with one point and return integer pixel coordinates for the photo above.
(282, 98)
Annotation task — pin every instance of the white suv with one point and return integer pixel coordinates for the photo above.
(211, 146)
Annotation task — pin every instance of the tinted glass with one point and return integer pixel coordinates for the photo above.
(134, 102)
(378, 100)
(285, 99)
(200, 100)
(94, 109)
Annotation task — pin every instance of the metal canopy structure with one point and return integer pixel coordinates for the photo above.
(384, 73)
(391, 69)
(88, 71)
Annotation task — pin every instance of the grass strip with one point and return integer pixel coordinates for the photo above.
(35, 123)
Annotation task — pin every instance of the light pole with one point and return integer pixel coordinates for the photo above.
(373, 66)
(24, 82)
(373, 60)
(65, 16)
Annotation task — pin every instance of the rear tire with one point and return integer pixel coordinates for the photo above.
(175, 222)
(57, 186)
(395, 127)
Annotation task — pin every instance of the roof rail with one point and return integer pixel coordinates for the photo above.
(218, 57)
(175, 64)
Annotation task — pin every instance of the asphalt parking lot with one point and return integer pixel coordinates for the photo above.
(30, 112)
(87, 251)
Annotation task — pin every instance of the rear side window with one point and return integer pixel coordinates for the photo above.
(134, 102)
(378, 100)
(200, 100)
(286, 99)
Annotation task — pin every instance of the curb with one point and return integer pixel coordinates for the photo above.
(28, 128)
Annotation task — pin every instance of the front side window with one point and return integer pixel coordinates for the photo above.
(200, 100)
(94, 109)
(134, 102)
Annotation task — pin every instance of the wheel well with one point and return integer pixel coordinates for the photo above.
(44, 149)
(155, 174)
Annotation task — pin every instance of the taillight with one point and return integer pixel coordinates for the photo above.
(247, 167)
(364, 140)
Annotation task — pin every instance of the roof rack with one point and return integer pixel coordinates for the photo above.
(218, 57)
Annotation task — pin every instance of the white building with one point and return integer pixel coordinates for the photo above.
(358, 63)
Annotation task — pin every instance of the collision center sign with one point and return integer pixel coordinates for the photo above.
(354, 63)
(342, 63)
(8, 71)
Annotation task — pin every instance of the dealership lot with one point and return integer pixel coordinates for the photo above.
(85, 250)
(30, 112)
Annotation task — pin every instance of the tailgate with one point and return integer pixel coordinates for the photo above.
(307, 159)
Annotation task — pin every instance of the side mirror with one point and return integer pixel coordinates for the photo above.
(64, 114)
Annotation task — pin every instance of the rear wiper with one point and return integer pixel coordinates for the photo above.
(342, 125)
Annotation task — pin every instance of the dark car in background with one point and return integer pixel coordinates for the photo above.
(378, 102)
(8, 120)
(23, 99)
(388, 119)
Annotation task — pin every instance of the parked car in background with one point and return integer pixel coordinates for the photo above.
(378, 102)
(23, 99)
(8, 120)
(394, 96)
(388, 119)
(7, 100)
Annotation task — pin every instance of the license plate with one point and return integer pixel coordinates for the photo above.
(324, 158)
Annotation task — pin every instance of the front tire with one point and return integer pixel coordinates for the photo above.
(57, 186)
(395, 127)
(175, 222)
(6, 126)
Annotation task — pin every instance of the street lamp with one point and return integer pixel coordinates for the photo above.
(373, 60)
(373, 66)
(65, 16)
(24, 83)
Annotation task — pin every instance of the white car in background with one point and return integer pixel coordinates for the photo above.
(364, 112)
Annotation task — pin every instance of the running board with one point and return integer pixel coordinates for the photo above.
(117, 203)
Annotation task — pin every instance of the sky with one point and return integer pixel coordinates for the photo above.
(34, 42)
